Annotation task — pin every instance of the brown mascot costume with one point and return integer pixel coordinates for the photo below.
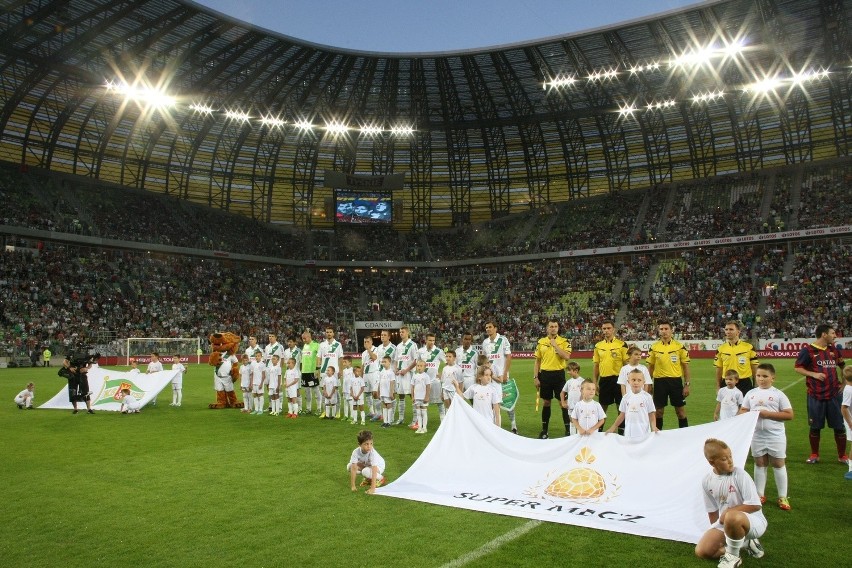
(226, 369)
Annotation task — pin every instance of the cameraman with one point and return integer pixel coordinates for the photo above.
(75, 370)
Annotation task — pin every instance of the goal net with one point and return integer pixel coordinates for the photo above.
(140, 348)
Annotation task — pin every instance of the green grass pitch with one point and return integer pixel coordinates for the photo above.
(196, 487)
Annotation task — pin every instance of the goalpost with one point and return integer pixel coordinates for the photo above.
(167, 347)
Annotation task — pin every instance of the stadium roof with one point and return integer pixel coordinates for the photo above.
(167, 96)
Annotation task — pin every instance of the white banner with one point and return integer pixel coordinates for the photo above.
(106, 386)
(650, 488)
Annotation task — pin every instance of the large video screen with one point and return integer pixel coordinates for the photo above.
(362, 207)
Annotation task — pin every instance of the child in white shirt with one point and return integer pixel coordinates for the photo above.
(421, 384)
(357, 393)
(25, 397)
(273, 384)
(366, 461)
(483, 395)
(328, 387)
(177, 381)
(347, 374)
(292, 379)
(154, 366)
(451, 379)
(570, 394)
(387, 384)
(588, 415)
(129, 404)
(245, 383)
(636, 410)
(258, 380)
(729, 398)
(634, 361)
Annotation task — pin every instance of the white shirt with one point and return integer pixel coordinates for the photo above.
(451, 376)
(573, 391)
(24, 395)
(496, 351)
(273, 376)
(767, 399)
(368, 365)
(294, 353)
(433, 359)
(588, 414)
(250, 351)
(272, 349)
(329, 384)
(155, 367)
(466, 360)
(356, 385)
(406, 354)
(419, 382)
(257, 370)
(245, 376)
(729, 401)
(180, 369)
(329, 355)
(368, 459)
(348, 375)
(388, 350)
(721, 492)
(625, 370)
(386, 377)
(636, 408)
(484, 398)
(294, 376)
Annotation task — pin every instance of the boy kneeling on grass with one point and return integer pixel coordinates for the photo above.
(366, 461)
(733, 505)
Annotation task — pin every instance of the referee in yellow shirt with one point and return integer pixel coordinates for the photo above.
(736, 355)
(551, 357)
(668, 363)
(609, 356)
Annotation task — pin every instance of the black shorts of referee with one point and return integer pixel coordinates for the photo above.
(551, 383)
(609, 391)
(668, 389)
(309, 380)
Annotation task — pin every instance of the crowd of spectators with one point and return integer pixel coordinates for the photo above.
(818, 289)
(594, 222)
(715, 209)
(825, 199)
(698, 291)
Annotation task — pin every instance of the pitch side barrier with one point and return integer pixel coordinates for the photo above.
(98, 242)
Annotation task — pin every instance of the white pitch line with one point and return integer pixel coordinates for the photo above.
(794, 383)
(492, 545)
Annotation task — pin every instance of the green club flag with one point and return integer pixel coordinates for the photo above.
(510, 395)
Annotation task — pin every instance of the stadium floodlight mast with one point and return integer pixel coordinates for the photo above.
(165, 346)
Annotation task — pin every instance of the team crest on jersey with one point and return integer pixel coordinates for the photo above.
(111, 391)
(582, 484)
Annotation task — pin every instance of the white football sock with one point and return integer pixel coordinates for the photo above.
(781, 480)
(760, 480)
(424, 418)
(179, 396)
(733, 546)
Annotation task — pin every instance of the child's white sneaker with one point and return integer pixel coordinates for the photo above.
(754, 548)
(730, 561)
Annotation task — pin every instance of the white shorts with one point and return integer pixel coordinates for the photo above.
(447, 394)
(177, 385)
(775, 446)
(332, 400)
(366, 471)
(403, 384)
(756, 525)
(358, 401)
(372, 382)
(273, 385)
(246, 386)
(257, 389)
(420, 403)
(387, 399)
(272, 390)
(292, 392)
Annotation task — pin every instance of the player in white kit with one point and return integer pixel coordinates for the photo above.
(370, 365)
(466, 360)
(499, 352)
(357, 394)
(406, 359)
(387, 388)
(433, 356)
(330, 387)
(329, 354)
(154, 366)
(451, 381)
(729, 399)
(346, 376)
(25, 398)
(292, 380)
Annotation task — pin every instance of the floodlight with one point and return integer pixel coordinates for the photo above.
(402, 130)
(201, 108)
(272, 121)
(335, 127)
(371, 130)
(238, 115)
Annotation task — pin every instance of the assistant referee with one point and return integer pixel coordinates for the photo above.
(551, 357)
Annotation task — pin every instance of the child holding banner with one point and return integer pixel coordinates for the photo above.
(769, 445)
(733, 505)
(484, 397)
(636, 410)
(177, 381)
(588, 415)
(129, 404)
(25, 397)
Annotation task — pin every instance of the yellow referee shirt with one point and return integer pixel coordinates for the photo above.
(610, 357)
(550, 359)
(739, 357)
(667, 359)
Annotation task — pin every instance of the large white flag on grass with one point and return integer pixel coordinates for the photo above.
(106, 386)
(648, 488)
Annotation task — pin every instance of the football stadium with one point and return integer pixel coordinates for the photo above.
(201, 210)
